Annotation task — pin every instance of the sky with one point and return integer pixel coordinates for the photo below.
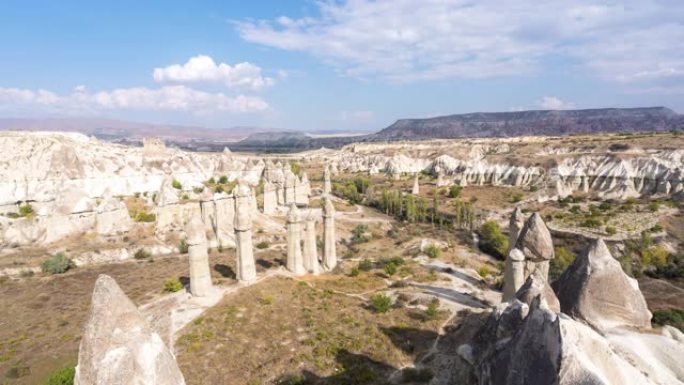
(334, 65)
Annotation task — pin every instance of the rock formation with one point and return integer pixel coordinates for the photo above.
(535, 286)
(536, 244)
(327, 186)
(514, 274)
(270, 198)
(119, 347)
(596, 290)
(295, 261)
(200, 274)
(416, 187)
(515, 226)
(310, 250)
(329, 247)
(244, 251)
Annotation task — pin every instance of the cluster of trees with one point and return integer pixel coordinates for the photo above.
(413, 208)
(354, 191)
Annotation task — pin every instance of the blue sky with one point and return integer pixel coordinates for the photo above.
(353, 65)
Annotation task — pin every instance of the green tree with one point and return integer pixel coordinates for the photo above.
(492, 239)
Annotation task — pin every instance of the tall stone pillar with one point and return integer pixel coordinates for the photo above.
(515, 225)
(514, 274)
(244, 252)
(200, 275)
(327, 186)
(416, 186)
(270, 198)
(290, 181)
(295, 261)
(329, 249)
(310, 252)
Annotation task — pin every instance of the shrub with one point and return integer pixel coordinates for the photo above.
(397, 261)
(484, 271)
(141, 253)
(354, 272)
(381, 303)
(57, 264)
(653, 206)
(144, 216)
(591, 223)
(432, 310)
(391, 269)
(185, 197)
(25, 210)
(575, 209)
(492, 240)
(218, 189)
(516, 197)
(176, 184)
(432, 251)
(610, 230)
(359, 234)
(605, 206)
(183, 247)
(296, 168)
(211, 180)
(563, 258)
(672, 317)
(223, 179)
(198, 190)
(656, 228)
(455, 191)
(172, 285)
(262, 245)
(365, 265)
(63, 376)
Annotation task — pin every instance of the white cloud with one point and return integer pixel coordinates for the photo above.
(553, 103)
(405, 40)
(170, 98)
(203, 69)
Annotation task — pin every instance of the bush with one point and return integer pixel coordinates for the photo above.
(141, 253)
(432, 251)
(455, 191)
(391, 269)
(517, 197)
(63, 376)
(218, 189)
(656, 228)
(591, 223)
(397, 261)
(432, 310)
(672, 317)
(223, 179)
(653, 206)
(381, 303)
(211, 180)
(144, 216)
(354, 272)
(492, 240)
(359, 234)
(610, 230)
(605, 206)
(57, 264)
(262, 245)
(172, 285)
(366, 265)
(25, 210)
(176, 184)
(484, 271)
(183, 247)
(563, 258)
(295, 168)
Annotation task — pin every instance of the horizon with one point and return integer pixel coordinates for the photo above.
(339, 66)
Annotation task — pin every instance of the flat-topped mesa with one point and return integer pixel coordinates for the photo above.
(310, 251)
(514, 274)
(327, 185)
(329, 247)
(595, 289)
(118, 346)
(200, 274)
(295, 262)
(244, 251)
(416, 187)
(536, 244)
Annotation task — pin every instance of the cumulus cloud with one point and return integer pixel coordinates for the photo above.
(403, 40)
(169, 98)
(203, 69)
(553, 103)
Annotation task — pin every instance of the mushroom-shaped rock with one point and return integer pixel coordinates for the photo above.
(595, 289)
(537, 285)
(514, 273)
(515, 226)
(535, 240)
(118, 346)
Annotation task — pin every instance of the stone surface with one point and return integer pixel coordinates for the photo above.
(244, 250)
(596, 290)
(295, 260)
(535, 240)
(515, 226)
(327, 186)
(514, 274)
(329, 237)
(416, 187)
(535, 286)
(310, 250)
(270, 198)
(200, 274)
(118, 347)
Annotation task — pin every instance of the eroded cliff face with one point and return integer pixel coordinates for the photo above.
(558, 171)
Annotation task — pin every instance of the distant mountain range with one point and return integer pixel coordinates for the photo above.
(543, 123)
(118, 130)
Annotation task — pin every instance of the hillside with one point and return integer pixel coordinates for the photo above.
(538, 123)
